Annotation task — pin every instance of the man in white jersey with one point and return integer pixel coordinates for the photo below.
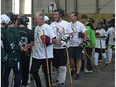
(61, 28)
(79, 37)
(43, 33)
(100, 46)
(111, 39)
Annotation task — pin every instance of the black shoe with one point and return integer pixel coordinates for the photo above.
(76, 76)
(62, 85)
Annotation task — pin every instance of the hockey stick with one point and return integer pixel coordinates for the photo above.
(92, 61)
(68, 61)
(47, 62)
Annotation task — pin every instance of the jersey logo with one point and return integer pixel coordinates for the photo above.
(59, 30)
(23, 41)
(74, 29)
(38, 35)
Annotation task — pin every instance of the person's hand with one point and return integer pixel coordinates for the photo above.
(93, 46)
(23, 48)
(98, 35)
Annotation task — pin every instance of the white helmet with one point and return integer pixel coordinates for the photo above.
(5, 19)
(46, 18)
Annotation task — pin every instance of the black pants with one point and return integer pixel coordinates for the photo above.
(16, 74)
(89, 62)
(98, 50)
(2, 72)
(36, 63)
(25, 62)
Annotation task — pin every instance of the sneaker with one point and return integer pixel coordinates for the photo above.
(82, 72)
(56, 84)
(88, 71)
(25, 86)
(100, 60)
(76, 76)
(62, 85)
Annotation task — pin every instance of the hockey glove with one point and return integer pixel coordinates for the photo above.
(65, 39)
(81, 35)
(46, 39)
(88, 39)
(113, 47)
(82, 45)
(104, 37)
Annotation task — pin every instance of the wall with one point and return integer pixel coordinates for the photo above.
(83, 6)
(6, 6)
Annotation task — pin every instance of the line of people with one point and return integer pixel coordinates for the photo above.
(47, 44)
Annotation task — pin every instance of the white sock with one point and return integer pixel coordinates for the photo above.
(96, 58)
(109, 54)
(62, 74)
(105, 57)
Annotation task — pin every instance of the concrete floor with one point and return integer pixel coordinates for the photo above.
(96, 79)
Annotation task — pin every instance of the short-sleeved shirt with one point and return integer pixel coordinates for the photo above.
(102, 32)
(111, 33)
(38, 48)
(11, 48)
(90, 35)
(60, 28)
(76, 27)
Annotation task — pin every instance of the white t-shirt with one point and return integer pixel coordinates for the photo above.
(38, 48)
(111, 33)
(102, 32)
(60, 29)
(76, 27)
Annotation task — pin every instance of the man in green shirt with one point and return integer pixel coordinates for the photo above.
(91, 41)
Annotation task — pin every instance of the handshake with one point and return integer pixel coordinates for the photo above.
(65, 40)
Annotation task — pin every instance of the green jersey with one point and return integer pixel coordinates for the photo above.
(7, 48)
(90, 35)
(27, 36)
(16, 37)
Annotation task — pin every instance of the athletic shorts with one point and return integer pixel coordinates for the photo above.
(60, 58)
(75, 52)
(98, 50)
